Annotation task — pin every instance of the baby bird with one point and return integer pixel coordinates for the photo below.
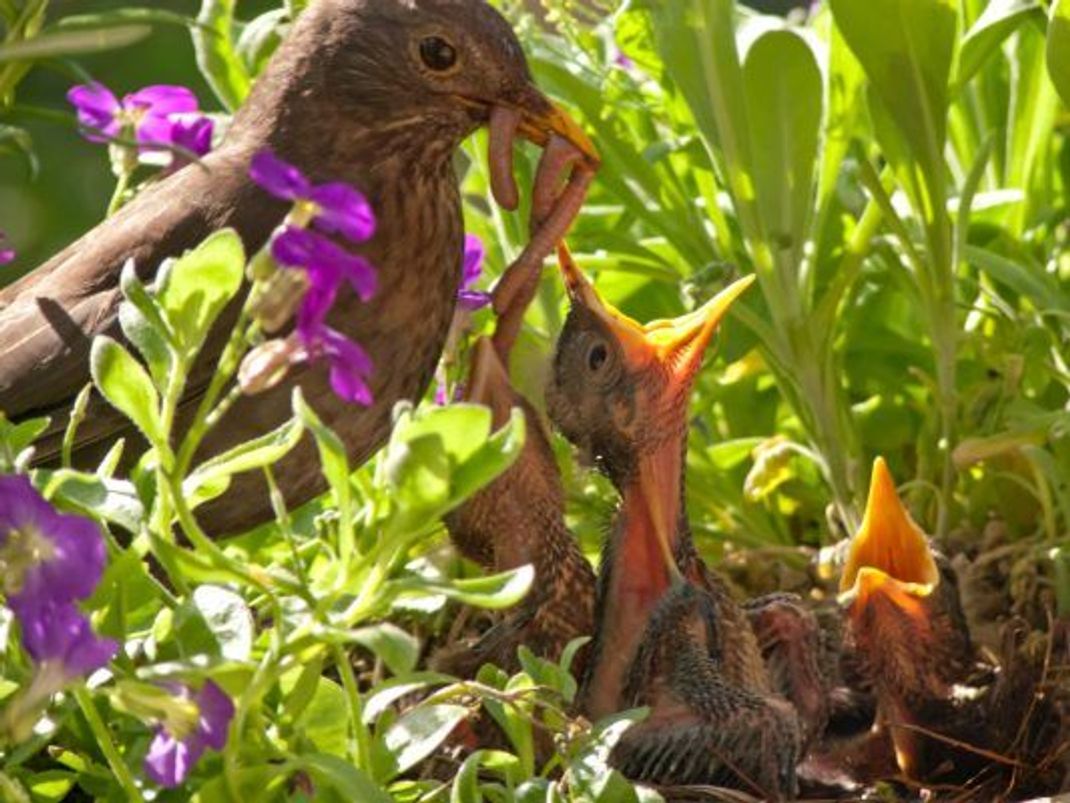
(519, 519)
(669, 634)
(946, 715)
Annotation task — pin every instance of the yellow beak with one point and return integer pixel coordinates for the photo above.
(889, 554)
(676, 343)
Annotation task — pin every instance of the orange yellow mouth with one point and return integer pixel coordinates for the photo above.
(676, 343)
(890, 554)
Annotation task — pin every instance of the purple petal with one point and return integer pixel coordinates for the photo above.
(327, 264)
(471, 300)
(7, 254)
(442, 394)
(162, 100)
(345, 210)
(61, 632)
(318, 300)
(217, 710)
(473, 260)
(76, 562)
(169, 761)
(294, 247)
(194, 135)
(97, 108)
(281, 179)
(155, 132)
(20, 505)
(350, 366)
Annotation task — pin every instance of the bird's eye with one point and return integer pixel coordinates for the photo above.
(596, 357)
(438, 54)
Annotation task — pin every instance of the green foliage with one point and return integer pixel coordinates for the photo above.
(894, 172)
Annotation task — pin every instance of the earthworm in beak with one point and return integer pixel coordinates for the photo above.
(558, 155)
(504, 122)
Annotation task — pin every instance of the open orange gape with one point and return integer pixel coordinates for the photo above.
(674, 346)
(890, 555)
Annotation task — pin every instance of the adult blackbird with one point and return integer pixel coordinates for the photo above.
(669, 633)
(945, 712)
(376, 93)
(519, 519)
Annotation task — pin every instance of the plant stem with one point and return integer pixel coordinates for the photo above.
(363, 757)
(107, 746)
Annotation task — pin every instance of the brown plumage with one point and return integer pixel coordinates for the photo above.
(669, 634)
(520, 519)
(348, 97)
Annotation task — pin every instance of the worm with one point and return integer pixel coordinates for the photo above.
(558, 155)
(518, 284)
(503, 125)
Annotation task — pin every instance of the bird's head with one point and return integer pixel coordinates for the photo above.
(619, 391)
(445, 63)
(903, 613)
(621, 388)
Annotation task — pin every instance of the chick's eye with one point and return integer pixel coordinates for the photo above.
(438, 54)
(596, 357)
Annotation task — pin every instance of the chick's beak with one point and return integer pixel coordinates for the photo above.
(676, 343)
(890, 554)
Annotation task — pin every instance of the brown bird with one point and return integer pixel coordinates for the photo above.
(945, 713)
(669, 634)
(519, 519)
(376, 93)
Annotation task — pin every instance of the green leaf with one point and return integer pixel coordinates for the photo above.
(123, 381)
(121, 16)
(17, 437)
(349, 781)
(72, 43)
(142, 322)
(214, 46)
(265, 450)
(385, 694)
(199, 284)
(494, 591)
(398, 649)
(420, 731)
(783, 88)
(229, 619)
(113, 500)
(335, 466)
(321, 722)
(1058, 50)
(999, 20)
(906, 48)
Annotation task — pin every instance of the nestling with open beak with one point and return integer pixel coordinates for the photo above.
(519, 519)
(378, 94)
(946, 714)
(669, 634)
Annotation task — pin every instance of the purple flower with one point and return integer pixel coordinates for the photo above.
(350, 365)
(173, 754)
(192, 133)
(468, 299)
(332, 208)
(58, 635)
(328, 266)
(146, 113)
(7, 253)
(46, 557)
